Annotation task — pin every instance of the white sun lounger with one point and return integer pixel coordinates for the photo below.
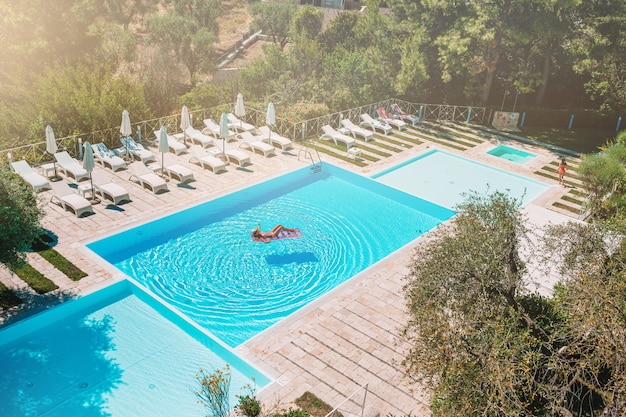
(173, 143)
(356, 130)
(206, 160)
(107, 188)
(147, 178)
(213, 128)
(336, 136)
(69, 200)
(256, 144)
(395, 122)
(108, 157)
(70, 166)
(413, 119)
(24, 170)
(273, 138)
(195, 136)
(242, 158)
(136, 150)
(173, 169)
(239, 124)
(374, 124)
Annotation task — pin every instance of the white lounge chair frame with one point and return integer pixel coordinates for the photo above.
(242, 158)
(196, 136)
(69, 200)
(107, 188)
(213, 128)
(147, 178)
(136, 150)
(106, 156)
(336, 136)
(206, 160)
(355, 130)
(239, 124)
(173, 169)
(36, 180)
(173, 144)
(374, 124)
(256, 144)
(70, 166)
(273, 138)
(397, 123)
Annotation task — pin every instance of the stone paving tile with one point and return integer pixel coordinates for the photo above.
(344, 340)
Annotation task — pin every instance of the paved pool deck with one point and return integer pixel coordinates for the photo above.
(346, 339)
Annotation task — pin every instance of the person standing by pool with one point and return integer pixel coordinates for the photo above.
(561, 170)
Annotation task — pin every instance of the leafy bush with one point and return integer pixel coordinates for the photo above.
(249, 406)
(294, 412)
(8, 298)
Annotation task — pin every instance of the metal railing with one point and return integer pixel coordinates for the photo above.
(36, 154)
(353, 405)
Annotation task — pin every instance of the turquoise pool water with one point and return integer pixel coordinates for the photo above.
(512, 154)
(442, 178)
(116, 353)
(203, 262)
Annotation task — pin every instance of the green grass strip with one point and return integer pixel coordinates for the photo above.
(579, 193)
(8, 298)
(571, 199)
(32, 277)
(62, 264)
(571, 209)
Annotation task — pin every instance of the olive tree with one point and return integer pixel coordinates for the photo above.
(486, 346)
(19, 215)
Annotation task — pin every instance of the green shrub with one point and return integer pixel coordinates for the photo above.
(249, 406)
(294, 412)
(8, 298)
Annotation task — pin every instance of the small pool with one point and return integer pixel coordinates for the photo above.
(442, 178)
(203, 262)
(117, 353)
(512, 154)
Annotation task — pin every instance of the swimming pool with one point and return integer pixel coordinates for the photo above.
(203, 262)
(442, 178)
(116, 352)
(512, 154)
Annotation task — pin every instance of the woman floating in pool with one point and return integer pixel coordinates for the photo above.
(278, 232)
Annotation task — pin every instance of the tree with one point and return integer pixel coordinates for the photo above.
(600, 47)
(306, 24)
(592, 303)
(125, 11)
(20, 215)
(274, 19)
(601, 174)
(488, 347)
(187, 33)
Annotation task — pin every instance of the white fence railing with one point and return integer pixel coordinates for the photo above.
(36, 154)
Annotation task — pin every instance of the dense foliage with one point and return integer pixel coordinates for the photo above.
(19, 216)
(488, 347)
(143, 55)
